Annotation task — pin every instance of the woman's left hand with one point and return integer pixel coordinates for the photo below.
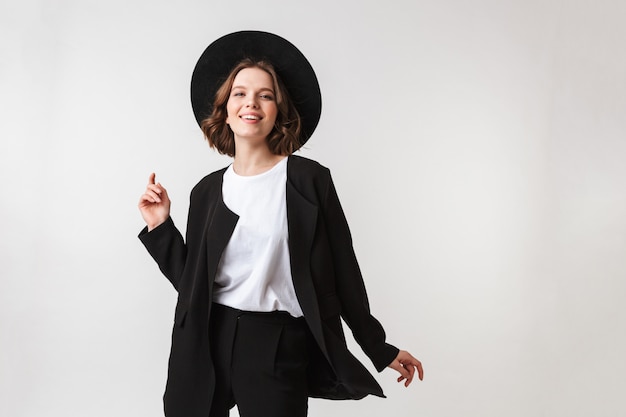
(406, 364)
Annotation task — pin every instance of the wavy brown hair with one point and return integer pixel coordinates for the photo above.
(284, 137)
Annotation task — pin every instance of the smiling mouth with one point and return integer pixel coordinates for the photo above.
(250, 117)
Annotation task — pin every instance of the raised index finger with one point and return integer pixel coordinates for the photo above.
(152, 178)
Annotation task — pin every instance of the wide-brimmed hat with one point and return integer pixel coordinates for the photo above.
(295, 71)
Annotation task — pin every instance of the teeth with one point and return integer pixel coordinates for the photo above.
(250, 117)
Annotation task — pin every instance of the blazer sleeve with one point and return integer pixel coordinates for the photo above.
(367, 331)
(166, 245)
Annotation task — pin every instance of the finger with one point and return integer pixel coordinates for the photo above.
(408, 382)
(145, 201)
(411, 371)
(415, 364)
(151, 178)
(155, 197)
(149, 197)
(420, 371)
(406, 365)
(161, 187)
(401, 369)
(155, 188)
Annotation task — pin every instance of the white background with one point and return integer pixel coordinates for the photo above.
(479, 150)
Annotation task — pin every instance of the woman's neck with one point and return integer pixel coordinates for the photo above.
(254, 161)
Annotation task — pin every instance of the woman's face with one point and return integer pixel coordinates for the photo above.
(251, 106)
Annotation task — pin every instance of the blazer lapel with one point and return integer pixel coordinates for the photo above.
(301, 223)
(219, 230)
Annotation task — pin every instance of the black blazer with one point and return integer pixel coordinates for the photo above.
(326, 277)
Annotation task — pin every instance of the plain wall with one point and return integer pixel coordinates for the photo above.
(478, 149)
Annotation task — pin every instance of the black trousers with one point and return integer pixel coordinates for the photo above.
(260, 362)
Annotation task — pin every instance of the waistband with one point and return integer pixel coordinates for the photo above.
(278, 317)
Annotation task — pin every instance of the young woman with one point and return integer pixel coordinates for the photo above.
(267, 269)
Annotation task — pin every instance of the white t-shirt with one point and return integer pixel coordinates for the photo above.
(254, 273)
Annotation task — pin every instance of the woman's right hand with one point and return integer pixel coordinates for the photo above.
(154, 204)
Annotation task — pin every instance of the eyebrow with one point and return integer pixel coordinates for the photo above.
(245, 88)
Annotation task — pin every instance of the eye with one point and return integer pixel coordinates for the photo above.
(237, 94)
(267, 97)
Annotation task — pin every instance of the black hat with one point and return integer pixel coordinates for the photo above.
(220, 57)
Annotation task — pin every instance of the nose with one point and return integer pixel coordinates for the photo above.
(252, 101)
